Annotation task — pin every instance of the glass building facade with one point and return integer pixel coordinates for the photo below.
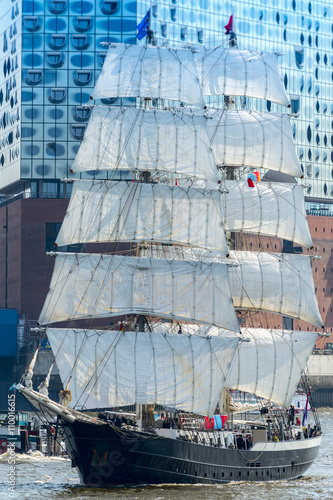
(52, 52)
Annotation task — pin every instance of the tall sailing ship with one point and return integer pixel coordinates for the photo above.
(144, 321)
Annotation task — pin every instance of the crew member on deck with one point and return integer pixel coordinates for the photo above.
(291, 415)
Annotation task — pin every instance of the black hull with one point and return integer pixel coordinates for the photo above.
(106, 456)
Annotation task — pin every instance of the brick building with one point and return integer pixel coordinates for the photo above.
(321, 229)
(28, 228)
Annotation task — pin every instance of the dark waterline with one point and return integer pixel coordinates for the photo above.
(51, 479)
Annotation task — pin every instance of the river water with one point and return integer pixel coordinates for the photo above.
(54, 479)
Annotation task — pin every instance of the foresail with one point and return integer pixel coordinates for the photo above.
(233, 72)
(146, 140)
(104, 211)
(275, 282)
(99, 286)
(149, 72)
(271, 364)
(257, 140)
(270, 209)
(109, 368)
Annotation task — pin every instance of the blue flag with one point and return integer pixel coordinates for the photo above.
(305, 414)
(143, 26)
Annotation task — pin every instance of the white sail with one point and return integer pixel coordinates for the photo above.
(124, 368)
(270, 209)
(149, 72)
(271, 364)
(98, 286)
(146, 140)
(103, 211)
(258, 140)
(190, 329)
(275, 282)
(233, 72)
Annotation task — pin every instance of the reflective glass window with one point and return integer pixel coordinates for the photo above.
(31, 23)
(57, 6)
(299, 56)
(295, 104)
(200, 35)
(109, 7)
(80, 42)
(57, 95)
(301, 83)
(34, 76)
(309, 133)
(57, 41)
(164, 29)
(82, 77)
(101, 57)
(54, 59)
(82, 113)
(5, 42)
(78, 131)
(310, 85)
(83, 23)
(309, 170)
(111, 100)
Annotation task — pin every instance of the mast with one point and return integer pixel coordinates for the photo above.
(145, 413)
(230, 105)
(145, 178)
